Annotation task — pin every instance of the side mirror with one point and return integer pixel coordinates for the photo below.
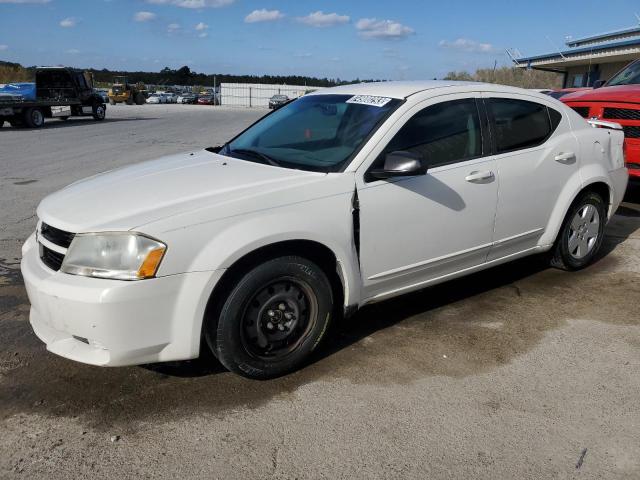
(399, 164)
(599, 83)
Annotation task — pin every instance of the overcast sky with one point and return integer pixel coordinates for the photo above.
(392, 39)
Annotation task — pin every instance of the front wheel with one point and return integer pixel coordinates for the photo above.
(581, 234)
(273, 318)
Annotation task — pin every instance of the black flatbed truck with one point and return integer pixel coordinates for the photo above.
(61, 92)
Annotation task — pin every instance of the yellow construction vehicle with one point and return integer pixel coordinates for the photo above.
(124, 92)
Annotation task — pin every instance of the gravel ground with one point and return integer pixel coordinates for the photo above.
(517, 372)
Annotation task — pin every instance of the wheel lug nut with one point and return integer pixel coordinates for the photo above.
(271, 313)
(282, 307)
(270, 325)
(281, 327)
(288, 315)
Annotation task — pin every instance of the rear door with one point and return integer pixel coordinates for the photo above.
(536, 154)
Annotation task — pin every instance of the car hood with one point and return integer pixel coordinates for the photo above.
(621, 93)
(129, 197)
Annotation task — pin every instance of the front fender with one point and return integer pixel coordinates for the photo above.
(217, 245)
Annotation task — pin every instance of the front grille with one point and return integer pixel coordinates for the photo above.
(582, 111)
(631, 131)
(50, 258)
(54, 235)
(621, 113)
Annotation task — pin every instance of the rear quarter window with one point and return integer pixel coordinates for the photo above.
(520, 124)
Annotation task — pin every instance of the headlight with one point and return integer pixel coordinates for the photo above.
(121, 256)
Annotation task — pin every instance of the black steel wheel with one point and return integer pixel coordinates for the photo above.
(33, 117)
(278, 318)
(273, 318)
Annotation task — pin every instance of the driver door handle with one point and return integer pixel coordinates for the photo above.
(480, 177)
(566, 157)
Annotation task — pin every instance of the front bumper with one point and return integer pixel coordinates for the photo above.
(115, 323)
(632, 154)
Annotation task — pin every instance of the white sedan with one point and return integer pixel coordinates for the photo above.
(156, 98)
(342, 198)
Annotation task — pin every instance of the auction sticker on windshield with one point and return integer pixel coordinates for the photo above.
(371, 100)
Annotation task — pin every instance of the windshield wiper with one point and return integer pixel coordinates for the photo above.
(256, 154)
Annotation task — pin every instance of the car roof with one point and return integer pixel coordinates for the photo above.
(404, 89)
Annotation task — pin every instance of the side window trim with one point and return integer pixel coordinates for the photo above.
(485, 147)
(492, 124)
(488, 140)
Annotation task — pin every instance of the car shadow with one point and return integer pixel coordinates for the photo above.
(379, 316)
(386, 314)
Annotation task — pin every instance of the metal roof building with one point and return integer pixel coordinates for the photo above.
(588, 59)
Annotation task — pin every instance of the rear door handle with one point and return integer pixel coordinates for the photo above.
(566, 157)
(479, 177)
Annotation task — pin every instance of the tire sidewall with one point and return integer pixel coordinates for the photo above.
(569, 260)
(99, 112)
(227, 343)
(32, 122)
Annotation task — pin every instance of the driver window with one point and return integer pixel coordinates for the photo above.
(443, 133)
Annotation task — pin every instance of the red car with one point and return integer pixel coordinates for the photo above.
(617, 100)
(206, 100)
(561, 92)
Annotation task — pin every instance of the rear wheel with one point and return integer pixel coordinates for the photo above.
(33, 117)
(99, 112)
(582, 233)
(274, 317)
(140, 99)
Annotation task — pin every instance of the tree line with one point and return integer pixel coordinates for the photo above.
(515, 77)
(14, 72)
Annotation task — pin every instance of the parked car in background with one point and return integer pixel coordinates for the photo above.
(342, 198)
(206, 100)
(187, 98)
(617, 100)
(277, 101)
(171, 97)
(156, 98)
(561, 92)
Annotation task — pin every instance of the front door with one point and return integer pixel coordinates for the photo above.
(417, 229)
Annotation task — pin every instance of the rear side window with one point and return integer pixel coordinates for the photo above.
(443, 133)
(519, 124)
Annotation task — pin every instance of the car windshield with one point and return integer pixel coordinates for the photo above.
(316, 132)
(628, 76)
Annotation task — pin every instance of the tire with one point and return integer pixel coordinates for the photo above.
(33, 117)
(99, 111)
(140, 99)
(582, 232)
(272, 319)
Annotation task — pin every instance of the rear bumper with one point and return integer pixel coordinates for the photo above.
(115, 323)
